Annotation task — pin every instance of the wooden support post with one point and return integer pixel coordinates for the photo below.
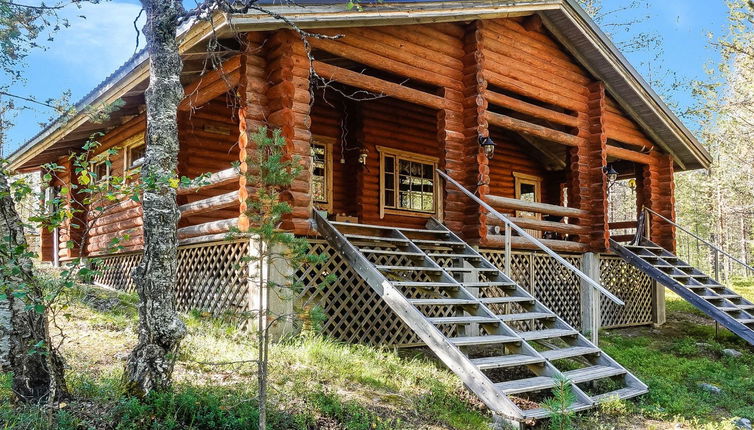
(289, 100)
(252, 113)
(658, 303)
(590, 298)
(587, 189)
(657, 189)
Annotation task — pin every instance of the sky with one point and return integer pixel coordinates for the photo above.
(82, 56)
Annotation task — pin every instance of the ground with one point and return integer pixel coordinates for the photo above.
(321, 384)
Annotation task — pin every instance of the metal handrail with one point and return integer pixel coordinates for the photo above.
(695, 236)
(535, 241)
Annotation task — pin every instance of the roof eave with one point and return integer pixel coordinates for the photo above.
(633, 91)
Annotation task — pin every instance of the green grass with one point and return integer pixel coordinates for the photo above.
(314, 382)
(674, 359)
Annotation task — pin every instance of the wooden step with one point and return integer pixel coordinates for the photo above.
(721, 297)
(593, 373)
(483, 340)
(488, 284)
(438, 242)
(523, 316)
(746, 321)
(418, 284)
(362, 237)
(505, 361)
(409, 268)
(384, 227)
(539, 413)
(470, 269)
(508, 299)
(573, 351)
(390, 252)
(451, 255)
(736, 308)
(463, 320)
(441, 302)
(547, 333)
(536, 383)
(623, 393)
(419, 230)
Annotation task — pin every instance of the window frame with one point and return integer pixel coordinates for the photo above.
(128, 146)
(328, 143)
(399, 155)
(527, 179)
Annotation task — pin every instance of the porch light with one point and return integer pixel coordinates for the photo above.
(612, 174)
(488, 146)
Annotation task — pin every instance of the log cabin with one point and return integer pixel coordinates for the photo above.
(457, 159)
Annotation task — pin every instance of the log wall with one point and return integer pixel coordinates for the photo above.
(446, 85)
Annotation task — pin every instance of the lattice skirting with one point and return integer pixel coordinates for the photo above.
(212, 277)
(354, 313)
(632, 286)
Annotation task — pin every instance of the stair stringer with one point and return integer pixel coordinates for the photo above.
(674, 285)
(448, 353)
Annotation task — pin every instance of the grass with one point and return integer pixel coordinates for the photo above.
(317, 383)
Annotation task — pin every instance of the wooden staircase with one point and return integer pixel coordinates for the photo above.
(714, 299)
(506, 347)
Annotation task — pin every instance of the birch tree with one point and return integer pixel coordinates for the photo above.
(150, 365)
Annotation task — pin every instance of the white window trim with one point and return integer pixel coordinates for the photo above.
(128, 145)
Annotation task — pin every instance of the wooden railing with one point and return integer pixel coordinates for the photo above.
(538, 243)
(626, 230)
(213, 230)
(560, 230)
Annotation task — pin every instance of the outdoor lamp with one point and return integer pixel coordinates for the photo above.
(488, 146)
(609, 170)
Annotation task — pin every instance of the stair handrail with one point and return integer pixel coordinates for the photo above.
(695, 236)
(584, 277)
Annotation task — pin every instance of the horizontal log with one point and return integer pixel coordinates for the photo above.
(212, 84)
(544, 208)
(530, 109)
(531, 129)
(222, 237)
(379, 86)
(622, 237)
(214, 227)
(518, 242)
(621, 135)
(217, 179)
(622, 224)
(628, 155)
(210, 204)
(540, 225)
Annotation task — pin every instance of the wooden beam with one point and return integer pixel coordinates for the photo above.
(540, 225)
(530, 109)
(209, 204)
(498, 241)
(217, 179)
(212, 84)
(507, 203)
(379, 86)
(530, 129)
(622, 224)
(214, 227)
(629, 155)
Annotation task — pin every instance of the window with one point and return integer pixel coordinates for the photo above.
(528, 188)
(135, 155)
(101, 170)
(321, 180)
(407, 183)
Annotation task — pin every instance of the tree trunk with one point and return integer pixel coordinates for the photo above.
(25, 344)
(150, 364)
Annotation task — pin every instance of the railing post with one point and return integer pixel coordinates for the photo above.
(508, 250)
(591, 314)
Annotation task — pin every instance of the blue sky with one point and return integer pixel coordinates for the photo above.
(82, 56)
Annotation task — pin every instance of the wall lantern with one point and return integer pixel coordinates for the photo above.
(612, 175)
(488, 146)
